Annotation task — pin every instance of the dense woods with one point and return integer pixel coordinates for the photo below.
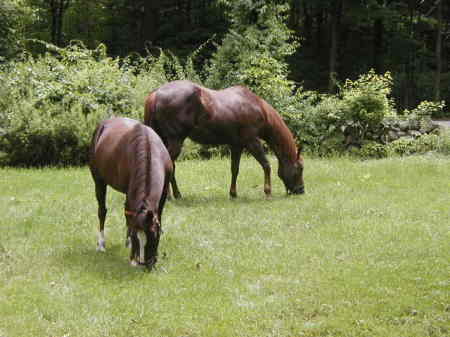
(344, 74)
(339, 39)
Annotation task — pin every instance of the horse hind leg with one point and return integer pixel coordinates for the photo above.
(100, 193)
(257, 151)
(235, 160)
(174, 149)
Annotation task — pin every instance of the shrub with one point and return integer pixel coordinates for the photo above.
(330, 123)
(315, 120)
(407, 146)
(51, 104)
(373, 150)
(366, 104)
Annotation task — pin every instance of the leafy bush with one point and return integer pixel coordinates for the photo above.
(315, 120)
(426, 143)
(373, 150)
(330, 123)
(426, 109)
(12, 17)
(366, 104)
(50, 105)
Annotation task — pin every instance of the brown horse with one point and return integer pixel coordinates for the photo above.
(234, 116)
(131, 158)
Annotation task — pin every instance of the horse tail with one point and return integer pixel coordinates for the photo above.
(150, 108)
(95, 137)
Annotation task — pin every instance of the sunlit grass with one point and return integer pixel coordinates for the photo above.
(365, 252)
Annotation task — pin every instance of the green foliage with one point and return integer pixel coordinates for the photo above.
(406, 146)
(254, 51)
(366, 103)
(328, 122)
(12, 13)
(51, 104)
(425, 109)
(432, 142)
(316, 120)
(373, 150)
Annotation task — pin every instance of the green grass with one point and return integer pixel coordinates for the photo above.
(365, 252)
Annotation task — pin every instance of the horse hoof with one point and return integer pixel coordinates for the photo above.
(101, 248)
(134, 263)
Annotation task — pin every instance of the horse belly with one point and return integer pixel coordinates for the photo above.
(113, 172)
(214, 136)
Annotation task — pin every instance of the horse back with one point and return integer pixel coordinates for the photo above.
(113, 156)
(174, 109)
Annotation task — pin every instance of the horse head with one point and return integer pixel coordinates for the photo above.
(292, 174)
(144, 230)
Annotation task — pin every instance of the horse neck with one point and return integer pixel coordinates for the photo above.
(280, 140)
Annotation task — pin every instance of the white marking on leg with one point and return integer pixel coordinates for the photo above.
(101, 241)
(142, 241)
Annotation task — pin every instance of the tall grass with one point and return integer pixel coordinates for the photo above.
(365, 252)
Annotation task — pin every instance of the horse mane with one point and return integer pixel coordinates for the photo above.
(142, 166)
(279, 137)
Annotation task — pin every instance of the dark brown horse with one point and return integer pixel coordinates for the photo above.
(234, 116)
(131, 158)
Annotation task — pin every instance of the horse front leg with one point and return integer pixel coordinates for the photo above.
(257, 151)
(100, 193)
(235, 160)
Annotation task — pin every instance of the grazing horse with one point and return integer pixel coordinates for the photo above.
(131, 158)
(234, 116)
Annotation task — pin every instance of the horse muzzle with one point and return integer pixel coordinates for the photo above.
(149, 264)
(298, 190)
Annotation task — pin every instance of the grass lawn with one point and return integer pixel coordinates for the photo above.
(365, 252)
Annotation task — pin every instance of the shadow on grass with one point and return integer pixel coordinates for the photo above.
(199, 200)
(112, 264)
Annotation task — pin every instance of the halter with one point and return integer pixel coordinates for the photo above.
(132, 213)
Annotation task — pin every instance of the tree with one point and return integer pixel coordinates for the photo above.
(336, 14)
(258, 43)
(11, 27)
(151, 22)
(57, 9)
(438, 52)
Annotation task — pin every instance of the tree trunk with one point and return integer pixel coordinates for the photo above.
(59, 22)
(378, 29)
(319, 20)
(57, 10)
(52, 4)
(438, 53)
(409, 68)
(151, 23)
(307, 25)
(335, 21)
